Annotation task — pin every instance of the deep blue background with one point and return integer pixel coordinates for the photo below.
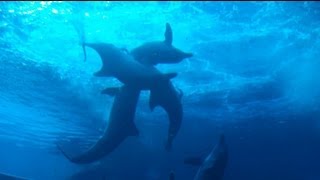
(254, 76)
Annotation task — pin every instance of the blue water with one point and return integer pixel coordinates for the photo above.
(254, 76)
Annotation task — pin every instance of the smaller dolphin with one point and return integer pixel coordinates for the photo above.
(160, 52)
(213, 166)
(121, 125)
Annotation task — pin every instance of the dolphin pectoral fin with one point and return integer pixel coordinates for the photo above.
(171, 75)
(168, 35)
(195, 161)
(112, 91)
(152, 100)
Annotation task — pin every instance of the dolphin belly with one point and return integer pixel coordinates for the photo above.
(121, 125)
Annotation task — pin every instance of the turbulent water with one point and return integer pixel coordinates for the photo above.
(254, 76)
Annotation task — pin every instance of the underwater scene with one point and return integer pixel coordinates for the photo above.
(159, 90)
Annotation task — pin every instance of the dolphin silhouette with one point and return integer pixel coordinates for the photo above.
(213, 166)
(160, 52)
(170, 100)
(121, 125)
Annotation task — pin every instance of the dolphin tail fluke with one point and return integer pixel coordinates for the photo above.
(112, 91)
(82, 43)
(79, 26)
(170, 75)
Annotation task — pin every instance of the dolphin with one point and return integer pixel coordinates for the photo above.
(121, 125)
(160, 52)
(213, 166)
(121, 65)
(169, 99)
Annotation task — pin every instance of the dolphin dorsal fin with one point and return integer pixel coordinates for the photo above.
(168, 35)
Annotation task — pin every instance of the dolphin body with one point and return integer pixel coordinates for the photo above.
(170, 100)
(160, 52)
(121, 125)
(213, 166)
